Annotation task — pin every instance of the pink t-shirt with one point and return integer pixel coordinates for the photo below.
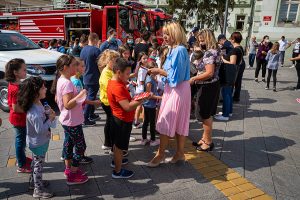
(73, 117)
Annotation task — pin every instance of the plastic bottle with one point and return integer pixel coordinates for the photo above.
(47, 108)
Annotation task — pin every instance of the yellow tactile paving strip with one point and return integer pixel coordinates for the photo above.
(225, 179)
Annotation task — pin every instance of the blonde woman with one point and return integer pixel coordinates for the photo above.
(208, 87)
(105, 65)
(174, 113)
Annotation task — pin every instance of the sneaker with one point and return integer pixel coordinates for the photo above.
(221, 118)
(282, 65)
(154, 143)
(105, 147)
(274, 90)
(132, 139)
(248, 67)
(266, 88)
(138, 125)
(24, 170)
(124, 173)
(68, 171)
(263, 80)
(144, 141)
(125, 153)
(221, 113)
(256, 79)
(89, 123)
(62, 158)
(124, 162)
(292, 66)
(76, 178)
(94, 117)
(45, 184)
(86, 160)
(42, 193)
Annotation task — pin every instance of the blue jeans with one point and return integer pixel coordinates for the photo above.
(251, 59)
(92, 91)
(20, 145)
(227, 100)
(281, 57)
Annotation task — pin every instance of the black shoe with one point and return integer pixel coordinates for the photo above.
(94, 117)
(86, 160)
(256, 80)
(89, 123)
(211, 146)
(125, 153)
(124, 162)
(263, 80)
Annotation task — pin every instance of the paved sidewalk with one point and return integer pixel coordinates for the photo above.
(261, 142)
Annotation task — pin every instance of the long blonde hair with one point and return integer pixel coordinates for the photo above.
(105, 57)
(209, 38)
(275, 48)
(176, 32)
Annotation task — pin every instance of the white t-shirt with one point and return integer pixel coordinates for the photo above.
(142, 73)
(297, 48)
(283, 44)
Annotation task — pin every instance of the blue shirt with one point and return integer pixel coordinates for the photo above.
(177, 66)
(151, 103)
(91, 75)
(273, 60)
(109, 45)
(77, 83)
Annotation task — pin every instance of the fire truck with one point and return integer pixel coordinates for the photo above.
(72, 20)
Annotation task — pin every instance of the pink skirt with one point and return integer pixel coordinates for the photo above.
(175, 109)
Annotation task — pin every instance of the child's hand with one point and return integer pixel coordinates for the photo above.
(97, 103)
(52, 115)
(82, 93)
(154, 71)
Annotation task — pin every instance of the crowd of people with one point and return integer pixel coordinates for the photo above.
(180, 76)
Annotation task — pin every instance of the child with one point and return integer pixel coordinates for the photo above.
(273, 62)
(32, 90)
(125, 53)
(150, 107)
(69, 102)
(105, 65)
(122, 114)
(141, 76)
(152, 52)
(15, 70)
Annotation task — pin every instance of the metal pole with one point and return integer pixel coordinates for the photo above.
(225, 18)
(20, 3)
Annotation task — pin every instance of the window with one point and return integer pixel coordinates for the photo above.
(288, 10)
(240, 21)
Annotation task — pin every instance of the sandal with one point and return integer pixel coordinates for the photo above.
(210, 147)
(196, 144)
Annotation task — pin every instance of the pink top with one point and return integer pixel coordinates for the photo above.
(73, 117)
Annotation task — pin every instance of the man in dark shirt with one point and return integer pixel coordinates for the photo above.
(143, 46)
(225, 44)
(91, 77)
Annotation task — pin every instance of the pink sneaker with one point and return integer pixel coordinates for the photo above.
(24, 170)
(154, 143)
(76, 178)
(68, 171)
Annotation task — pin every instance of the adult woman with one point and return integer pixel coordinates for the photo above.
(297, 59)
(261, 62)
(208, 87)
(174, 113)
(234, 57)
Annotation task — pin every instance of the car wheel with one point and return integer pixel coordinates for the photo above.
(3, 96)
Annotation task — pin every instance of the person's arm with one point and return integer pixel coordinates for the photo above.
(17, 108)
(129, 106)
(69, 101)
(96, 102)
(104, 46)
(209, 72)
(148, 89)
(268, 55)
(232, 61)
(133, 54)
(296, 58)
(39, 125)
(157, 71)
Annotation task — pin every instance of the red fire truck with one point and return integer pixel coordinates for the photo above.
(72, 20)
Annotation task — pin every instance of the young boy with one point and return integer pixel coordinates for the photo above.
(123, 109)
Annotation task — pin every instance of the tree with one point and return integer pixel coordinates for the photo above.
(210, 12)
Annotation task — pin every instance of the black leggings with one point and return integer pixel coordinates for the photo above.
(263, 65)
(298, 74)
(272, 72)
(107, 136)
(149, 117)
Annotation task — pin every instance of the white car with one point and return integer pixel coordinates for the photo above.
(40, 62)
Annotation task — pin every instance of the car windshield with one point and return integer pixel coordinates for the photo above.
(15, 41)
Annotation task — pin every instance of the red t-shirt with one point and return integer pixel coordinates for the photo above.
(16, 119)
(116, 92)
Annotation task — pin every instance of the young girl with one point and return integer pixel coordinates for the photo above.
(125, 53)
(141, 76)
(32, 90)
(273, 64)
(152, 52)
(69, 102)
(15, 70)
(105, 65)
(150, 107)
